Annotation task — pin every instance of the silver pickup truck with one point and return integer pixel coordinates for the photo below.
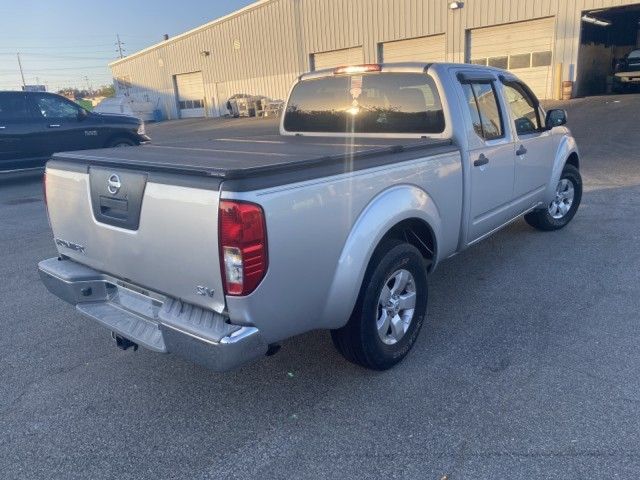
(219, 250)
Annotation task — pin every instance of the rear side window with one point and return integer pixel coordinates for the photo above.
(12, 107)
(393, 103)
(483, 107)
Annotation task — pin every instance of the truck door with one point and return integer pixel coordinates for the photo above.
(491, 159)
(62, 123)
(535, 146)
(16, 130)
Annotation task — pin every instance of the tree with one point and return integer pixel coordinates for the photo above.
(106, 91)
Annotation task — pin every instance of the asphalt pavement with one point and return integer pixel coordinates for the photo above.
(528, 366)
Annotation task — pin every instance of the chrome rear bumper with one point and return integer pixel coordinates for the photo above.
(157, 322)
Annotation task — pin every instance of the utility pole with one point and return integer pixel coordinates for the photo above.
(119, 44)
(24, 84)
(89, 89)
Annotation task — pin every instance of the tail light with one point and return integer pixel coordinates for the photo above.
(44, 194)
(44, 188)
(243, 246)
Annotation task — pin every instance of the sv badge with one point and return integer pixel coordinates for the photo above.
(205, 291)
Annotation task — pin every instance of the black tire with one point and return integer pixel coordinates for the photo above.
(121, 142)
(358, 341)
(543, 220)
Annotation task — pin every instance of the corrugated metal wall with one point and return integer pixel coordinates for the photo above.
(262, 49)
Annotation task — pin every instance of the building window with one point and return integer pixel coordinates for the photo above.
(499, 62)
(541, 59)
(519, 61)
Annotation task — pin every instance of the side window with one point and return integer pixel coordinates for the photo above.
(12, 107)
(473, 108)
(53, 107)
(523, 109)
(484, 109)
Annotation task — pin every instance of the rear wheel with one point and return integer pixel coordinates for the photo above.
(390, 309)
(564, 205)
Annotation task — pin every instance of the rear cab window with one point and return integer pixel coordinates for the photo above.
(370, 103)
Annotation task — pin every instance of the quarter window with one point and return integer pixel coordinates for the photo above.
(523, 108)
(484, 109)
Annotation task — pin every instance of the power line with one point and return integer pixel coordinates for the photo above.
(63, 57)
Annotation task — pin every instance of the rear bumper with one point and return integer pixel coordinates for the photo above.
(156, 322)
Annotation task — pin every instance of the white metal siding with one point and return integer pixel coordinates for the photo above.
(423, 49)
(519, 42)
(336, 58)
(190, 94)
(277, 39)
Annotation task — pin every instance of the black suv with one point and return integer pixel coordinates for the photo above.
(34, 125)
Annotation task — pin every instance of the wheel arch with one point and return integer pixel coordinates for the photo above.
(566, 154)
(405, 212)
(124, 135)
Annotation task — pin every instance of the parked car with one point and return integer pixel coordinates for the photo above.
(34, 125)
(381, 172)
(627, 72)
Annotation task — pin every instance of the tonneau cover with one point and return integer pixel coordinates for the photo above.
(245, 157)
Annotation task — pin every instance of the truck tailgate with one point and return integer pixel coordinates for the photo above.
(156, 231)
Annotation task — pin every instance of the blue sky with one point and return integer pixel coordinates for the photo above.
(62, 41)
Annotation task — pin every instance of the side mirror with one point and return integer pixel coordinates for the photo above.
(82, 114)
(556, 118)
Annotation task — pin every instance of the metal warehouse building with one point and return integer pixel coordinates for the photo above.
(262, 48)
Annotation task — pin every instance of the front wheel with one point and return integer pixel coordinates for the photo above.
(390, 309)
(121, 142)
(564, 205)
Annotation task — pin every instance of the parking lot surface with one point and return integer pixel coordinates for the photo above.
(527, 367)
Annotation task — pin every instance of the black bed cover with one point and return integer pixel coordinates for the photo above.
(230, 157)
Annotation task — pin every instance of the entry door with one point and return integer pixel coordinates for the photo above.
(190, 93)
(491, 160)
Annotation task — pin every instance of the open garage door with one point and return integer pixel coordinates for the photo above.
(525, 48)
(607, 37)
(337, 58)
(423, 49)
(190, 94)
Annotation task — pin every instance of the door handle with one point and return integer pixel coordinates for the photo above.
(521, 151)
(54, 125)
(482, 160)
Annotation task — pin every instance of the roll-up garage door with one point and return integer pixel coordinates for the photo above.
(423, 49)
(525, 48)
(190, 93)
(336, 58)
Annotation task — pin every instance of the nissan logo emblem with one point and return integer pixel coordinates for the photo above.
(114, 184)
